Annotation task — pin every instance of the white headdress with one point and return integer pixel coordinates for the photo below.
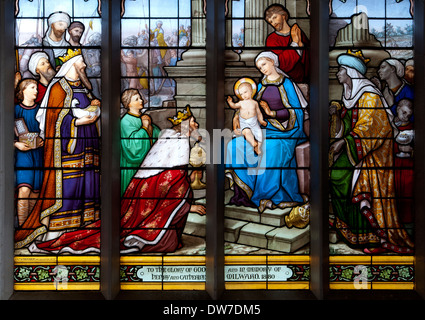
(55, 17)
(361, 85)
(398, 66)
(269, 55)
(59, 16)
(273, 57)
(35, 58)
(41, 114)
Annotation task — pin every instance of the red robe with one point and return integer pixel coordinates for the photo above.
(295, 65)
(41, 92)
(153, 215)
(404, 179)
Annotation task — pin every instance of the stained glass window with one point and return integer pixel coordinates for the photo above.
(150, 124)
(57, 145)
(371, 144)
(162, 155)
(267, 162)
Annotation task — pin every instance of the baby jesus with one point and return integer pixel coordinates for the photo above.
(250, 115)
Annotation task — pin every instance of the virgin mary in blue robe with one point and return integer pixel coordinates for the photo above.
(270, 180)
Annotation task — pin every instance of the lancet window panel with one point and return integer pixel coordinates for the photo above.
(57, 145)
(267, 172)
(371, 155)
(163, 156)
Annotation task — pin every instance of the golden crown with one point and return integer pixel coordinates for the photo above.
(358, 54)
(70, 54)
(181, 116)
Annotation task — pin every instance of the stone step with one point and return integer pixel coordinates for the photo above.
(254, 234)
(288, 239)
(275, 217)
(195, 225)
(281, 239)
(232, 229)
(199, 195)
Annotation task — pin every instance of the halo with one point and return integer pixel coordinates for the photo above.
(243, 80)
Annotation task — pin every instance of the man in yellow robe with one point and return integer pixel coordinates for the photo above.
(361, 156)
(158, 34)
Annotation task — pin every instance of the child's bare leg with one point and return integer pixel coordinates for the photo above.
(23, 204)
(32, 200)
(259, 147)
(247, 133)
(249, 137)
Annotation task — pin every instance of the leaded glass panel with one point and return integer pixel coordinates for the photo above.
(371, 155)
(267, 188)
(57, 145)
(163, 180)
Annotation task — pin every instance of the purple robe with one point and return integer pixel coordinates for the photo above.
(81, 174)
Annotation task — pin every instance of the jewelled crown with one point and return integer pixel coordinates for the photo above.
(181, 116)
(358, 54)
(70, 54)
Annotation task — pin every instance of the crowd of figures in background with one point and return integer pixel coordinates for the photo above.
(151, 51)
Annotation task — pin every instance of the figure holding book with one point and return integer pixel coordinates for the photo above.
(28, 149)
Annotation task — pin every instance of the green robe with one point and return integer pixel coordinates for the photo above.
(362, 180)
(352, 226)
(135, 144)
